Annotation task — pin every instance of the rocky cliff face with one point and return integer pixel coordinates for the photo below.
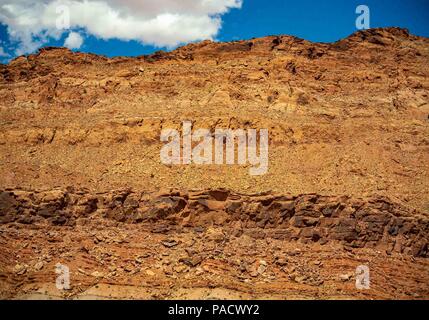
(357, 223)
(348, 160)
(348, 118)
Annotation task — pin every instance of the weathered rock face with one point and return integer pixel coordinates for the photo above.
(347, 181)
(348, 118)
(371, 222)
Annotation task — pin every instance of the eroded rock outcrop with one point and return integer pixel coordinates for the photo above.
(373, 222)
(347, 181)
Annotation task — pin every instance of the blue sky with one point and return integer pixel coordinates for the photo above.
(322, 21)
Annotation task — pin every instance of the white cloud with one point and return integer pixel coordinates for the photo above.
(169, 23)
(73, 41)
(3, 54)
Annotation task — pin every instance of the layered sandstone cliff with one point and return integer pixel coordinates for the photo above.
(348, 174)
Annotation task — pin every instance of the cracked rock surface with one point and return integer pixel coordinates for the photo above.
(82, 184)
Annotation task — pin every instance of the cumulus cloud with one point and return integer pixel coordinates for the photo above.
(73, 41)
(162, 23)
(3, 54)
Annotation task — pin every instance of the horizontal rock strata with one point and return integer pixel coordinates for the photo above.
(371, 222)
